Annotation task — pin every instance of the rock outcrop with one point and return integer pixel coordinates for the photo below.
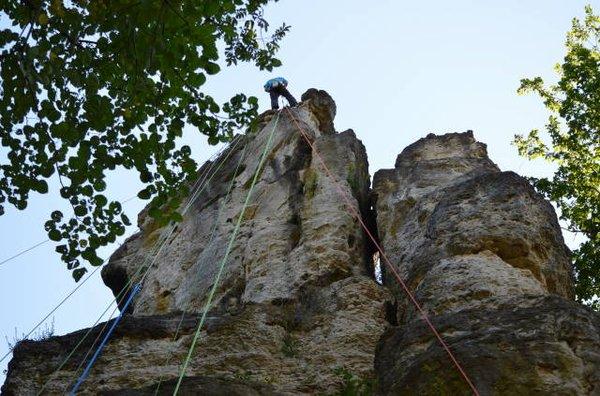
(296, 305)
(486, 259)
(297, 309)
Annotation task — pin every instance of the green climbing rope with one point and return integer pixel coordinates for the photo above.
(226, 256)
(162, 241)
(211, 238)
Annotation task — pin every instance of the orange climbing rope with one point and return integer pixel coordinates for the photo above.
(384, 256)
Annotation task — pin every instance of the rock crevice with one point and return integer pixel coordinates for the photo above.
(298, 311)
(296, 305)
(485, 257)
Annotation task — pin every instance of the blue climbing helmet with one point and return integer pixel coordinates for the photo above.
(275, 82)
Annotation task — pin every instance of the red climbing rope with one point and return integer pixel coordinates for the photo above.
(385, 258)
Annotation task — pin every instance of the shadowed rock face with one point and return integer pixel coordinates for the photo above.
(297, 310)
(486, 260)
(296, 301)
(206, 386)
(526, 345)
(293, 221)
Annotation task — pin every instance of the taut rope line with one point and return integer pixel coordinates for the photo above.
(385, 258)
(127, 286)
(226, 256)
(212, 235)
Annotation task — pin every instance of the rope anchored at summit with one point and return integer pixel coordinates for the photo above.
(266, 286)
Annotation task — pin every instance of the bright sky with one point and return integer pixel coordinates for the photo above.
(397, 70)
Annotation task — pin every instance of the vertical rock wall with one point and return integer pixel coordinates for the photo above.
(485, 256)
(297, 310)
(293, 222)
(296, 307)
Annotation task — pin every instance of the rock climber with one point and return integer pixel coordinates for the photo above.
(276, 87)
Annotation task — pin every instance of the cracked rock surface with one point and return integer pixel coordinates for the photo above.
(486, 260)
(297, 309)
(296, 302)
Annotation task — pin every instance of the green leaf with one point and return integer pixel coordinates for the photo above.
(55, 235)
(125, 220)
(146, 177)
(144, 194)
(89, 254)
(100, 200)
(212, 140)
(212, 68)
(177, 217)
(56, 216)
(78, 273)
(41, 186)
(100, 185)
(61, 249)
(84, 93)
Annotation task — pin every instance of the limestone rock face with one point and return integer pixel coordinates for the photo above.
(526, 345)
(295, 303)
(486, 260)
(296, 309)
(295, 231)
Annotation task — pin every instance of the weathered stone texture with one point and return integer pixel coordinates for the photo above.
(297, 309)
(295, 229)
(486, 260)
(527, 345)
(296, 300)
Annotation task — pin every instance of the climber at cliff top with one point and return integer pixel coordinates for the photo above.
(276, 87)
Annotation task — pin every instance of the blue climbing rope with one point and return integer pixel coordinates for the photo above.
(86, 372)
(127, 287)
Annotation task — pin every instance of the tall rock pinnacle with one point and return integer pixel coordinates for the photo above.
(486, 259)
(297, 309)
(296, 306)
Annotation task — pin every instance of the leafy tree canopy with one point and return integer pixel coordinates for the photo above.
(94, 85)
(574, 146)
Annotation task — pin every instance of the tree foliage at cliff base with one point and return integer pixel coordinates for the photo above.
(89, 86)
(572, 142)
